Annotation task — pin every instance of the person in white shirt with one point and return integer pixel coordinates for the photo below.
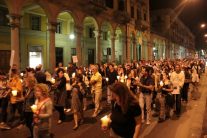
(177, 78)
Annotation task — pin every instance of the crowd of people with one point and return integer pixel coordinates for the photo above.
(133, 91)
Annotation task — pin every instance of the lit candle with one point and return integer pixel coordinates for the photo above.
(105, 121)
(107, 79)
(118, 77)
(14, 92)
(21, 80)
(161, 83)
(169, 74)
(122, 80)
(126, 77)
(22, 74)
(73, 75)
(34, 108)
(53, 80)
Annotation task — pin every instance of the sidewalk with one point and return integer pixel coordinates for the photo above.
(199, 114)
(204, 127)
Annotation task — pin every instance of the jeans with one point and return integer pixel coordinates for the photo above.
(145, 98)
(4, 106)
(60, 110)
(28, 121)
(19, 107)
(185, 92)
(177, 103)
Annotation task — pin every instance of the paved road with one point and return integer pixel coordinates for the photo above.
(189, 125)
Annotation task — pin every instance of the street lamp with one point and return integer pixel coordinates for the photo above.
(71, 36)
(203, 25)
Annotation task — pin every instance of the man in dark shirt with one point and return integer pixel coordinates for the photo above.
(112, 75)
(112, 78)
(146, 85)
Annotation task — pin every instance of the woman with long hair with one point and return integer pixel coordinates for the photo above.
(42, 119)
(126, 113)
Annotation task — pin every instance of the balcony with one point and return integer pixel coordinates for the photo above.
(121, 17)
(143, 2)
(92, 7)
(142, 25)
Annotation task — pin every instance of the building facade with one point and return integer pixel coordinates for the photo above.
(90, 31)
(170, 37)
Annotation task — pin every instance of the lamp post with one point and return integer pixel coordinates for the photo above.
(203, 25)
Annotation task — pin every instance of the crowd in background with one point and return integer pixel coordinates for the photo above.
(133, 90)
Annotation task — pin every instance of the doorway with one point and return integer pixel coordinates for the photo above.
(139, 51)
(59, 55)
(35, 56)
(5, 60)
(91, 56)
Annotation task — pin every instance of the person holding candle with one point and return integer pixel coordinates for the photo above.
(166, 98)
(16, 97)
(30, 83)
(177, 78)
(125, 115)
(60, 94)
(42, 118)
(112, 78)
(4, 101)
(146, 85)
(96, 83)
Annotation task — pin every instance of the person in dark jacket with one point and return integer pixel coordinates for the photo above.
(30, 83)
(60, 94)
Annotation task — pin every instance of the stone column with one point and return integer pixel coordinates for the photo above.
(79, 33)
(150, 50)
(98, 46)
(52, 55)
(128, 49)
(135, 49)
(14, 22)
(113, 38)
(123, 48)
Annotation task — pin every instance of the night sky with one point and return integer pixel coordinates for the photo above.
(193, 14)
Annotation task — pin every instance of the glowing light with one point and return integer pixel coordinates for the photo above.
(203, 25)
(71, 36)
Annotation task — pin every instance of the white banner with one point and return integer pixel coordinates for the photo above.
(75, 59)
(12, 58)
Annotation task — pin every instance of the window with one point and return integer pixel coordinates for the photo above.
(35, 22)
(3, 20)
(145, 16)
(59, 28)
(132, 12)
(121, 5)
(73, 51)
(105, 36)
(109, 3)
(91, 33)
